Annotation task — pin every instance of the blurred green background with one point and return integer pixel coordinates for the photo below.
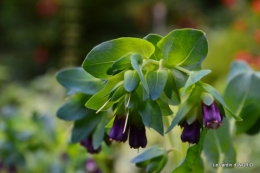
(39, 37)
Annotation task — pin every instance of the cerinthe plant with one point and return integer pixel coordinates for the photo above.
(129, 84)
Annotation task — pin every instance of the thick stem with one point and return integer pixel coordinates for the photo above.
(182, 69)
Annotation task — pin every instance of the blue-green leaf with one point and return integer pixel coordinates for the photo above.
(83, 128)
(102, 56)
(217, 147)
(136, 61)
(74, 109)
(185, 47)
(77, 80)
(150, 153)
(194, 77)
(131, 80)
(99, 133)
(185, 108)
(156, 81)
(193, 162)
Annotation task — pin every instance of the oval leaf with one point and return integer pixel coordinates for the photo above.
(77, 80)
(101, 57)
(185, 47)
(156, 82)
(131, 80)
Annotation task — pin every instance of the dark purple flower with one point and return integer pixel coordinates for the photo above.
(91, 166)
(87, 143)
(212, 118)
(117, 130)
(137, 137)
(191, 132)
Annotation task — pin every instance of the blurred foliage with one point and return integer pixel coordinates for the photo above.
(37, 37)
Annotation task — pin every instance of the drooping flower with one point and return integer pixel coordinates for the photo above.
(191, 132)
(87, 143)
(137, 137)
(117, 132)
(212, 117)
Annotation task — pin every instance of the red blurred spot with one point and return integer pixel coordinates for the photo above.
(257, 36)
(46, 7)
(41, 55)
(243, 55)
(255, 5)
(229, 3)
(240, 25)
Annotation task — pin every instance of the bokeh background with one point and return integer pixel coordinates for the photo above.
(40, 37)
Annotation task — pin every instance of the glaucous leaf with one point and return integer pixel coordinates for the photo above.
(100, 99)
(131, 80)
(136, 61)
(77, 80)
(154, 39)
(74, 109)
(185, 108)
(82, 128)
(194, 77)
(242, 95)
(156, 81)
(99, 133)
(102, 56)
(219, 148)
(148, 154)
(185, 47)
(193, 162)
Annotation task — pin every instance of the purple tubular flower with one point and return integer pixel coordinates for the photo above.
(212, 118)
(137, 137)
(117, 130)
(87, 143)
(191, 132)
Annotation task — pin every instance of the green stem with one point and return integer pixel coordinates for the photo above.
(162, 63)
(221, 156)
(182, 69)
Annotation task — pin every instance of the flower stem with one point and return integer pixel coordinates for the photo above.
(182, 69)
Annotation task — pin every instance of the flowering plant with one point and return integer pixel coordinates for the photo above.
(130, 84)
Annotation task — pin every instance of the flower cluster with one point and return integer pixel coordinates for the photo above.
(121, 129)
(211, 118)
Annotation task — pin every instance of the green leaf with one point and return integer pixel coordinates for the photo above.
(77, 80)
(185, 108)
(118, 94)
(165, 108)
(185, 47)
(154, 39)
(217, 96)
(242, 95)
(99, 133)
(122, 63)
(131, 80)
(145, 110)
(157, 164)
(207, 98)
(237, 68)
(110, 123)
(217, 147)
(74, 109)
(136, 61)
(156, 81)
(156, 122)
(193, 162)
(84, 127)
(180, 78)
(150, 153)
(102, 56)
(100, 99)
(194, 77)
